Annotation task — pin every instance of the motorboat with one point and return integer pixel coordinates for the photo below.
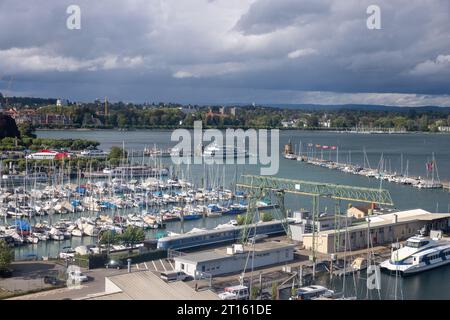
(217, 151)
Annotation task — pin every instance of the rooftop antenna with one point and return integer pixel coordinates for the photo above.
(11, 79)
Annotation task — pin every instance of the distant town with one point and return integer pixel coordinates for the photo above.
(103, 114)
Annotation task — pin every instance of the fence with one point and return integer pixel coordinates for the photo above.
(90, 261)
(143, 257)
(174, 253)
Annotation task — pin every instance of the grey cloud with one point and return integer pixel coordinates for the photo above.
(266, 16)
(222, 50)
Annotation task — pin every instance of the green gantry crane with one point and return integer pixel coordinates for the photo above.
(260, 187)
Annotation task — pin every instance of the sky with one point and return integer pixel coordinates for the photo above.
(228, 51)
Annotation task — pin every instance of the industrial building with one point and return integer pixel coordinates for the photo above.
(234, 259)
(304, 223)
(384, 229)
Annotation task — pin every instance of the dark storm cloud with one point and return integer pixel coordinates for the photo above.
(266, 15)
(229, 51)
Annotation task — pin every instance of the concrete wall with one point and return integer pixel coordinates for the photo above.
(380, 235)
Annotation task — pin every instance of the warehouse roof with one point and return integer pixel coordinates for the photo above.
(146, 285)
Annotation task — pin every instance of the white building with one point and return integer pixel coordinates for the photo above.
(221, 261)
(304, 223)
(325, 123)
(61, 102)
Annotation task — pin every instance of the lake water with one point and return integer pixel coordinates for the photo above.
(414, 149)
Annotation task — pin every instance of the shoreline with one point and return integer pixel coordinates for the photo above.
(281, 129)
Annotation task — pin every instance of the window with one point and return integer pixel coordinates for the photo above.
(182, 266)
(203, 268)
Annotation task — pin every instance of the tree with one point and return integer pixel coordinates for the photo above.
(6, 254)
(313, 121)
(122, 120)
(109, 238)
(117, 153)
(133, 235)
(423, 123)
(254, 293)
(8, 127)
(274, 290)
(26, 130)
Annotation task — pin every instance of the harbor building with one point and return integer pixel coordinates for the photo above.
(360, 212)
(305, 222)
(234, 259)
(384, 230)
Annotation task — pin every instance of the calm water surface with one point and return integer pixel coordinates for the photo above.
(414, 149)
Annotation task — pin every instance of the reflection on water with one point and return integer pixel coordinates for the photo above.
(432, 284)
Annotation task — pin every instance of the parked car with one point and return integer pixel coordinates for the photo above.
(52, 280)
(174, 276)
(114, 264)
(6, 273)
(80, 277)
(235, 293)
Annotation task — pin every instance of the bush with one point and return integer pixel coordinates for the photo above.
(244, 219)
(6, 254)
(266, 216)
(117, 153)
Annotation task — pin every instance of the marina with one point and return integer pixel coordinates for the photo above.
(382, 172)
(177, 211)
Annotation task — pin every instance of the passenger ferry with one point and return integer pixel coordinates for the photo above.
(419, 254)
(136, 171)
(93, 153)
(220, 236)
(215, 150)
(48, 155)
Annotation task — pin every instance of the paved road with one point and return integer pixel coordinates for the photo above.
(29, 275)
(97, 284)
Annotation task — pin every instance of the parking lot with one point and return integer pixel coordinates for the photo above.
(28, 276)
(160, 265)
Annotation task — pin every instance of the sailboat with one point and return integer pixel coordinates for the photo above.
(434, 182)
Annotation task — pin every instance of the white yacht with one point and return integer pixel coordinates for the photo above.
(419, 254)
(214, 150)
(290, 156)
(93, 153)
